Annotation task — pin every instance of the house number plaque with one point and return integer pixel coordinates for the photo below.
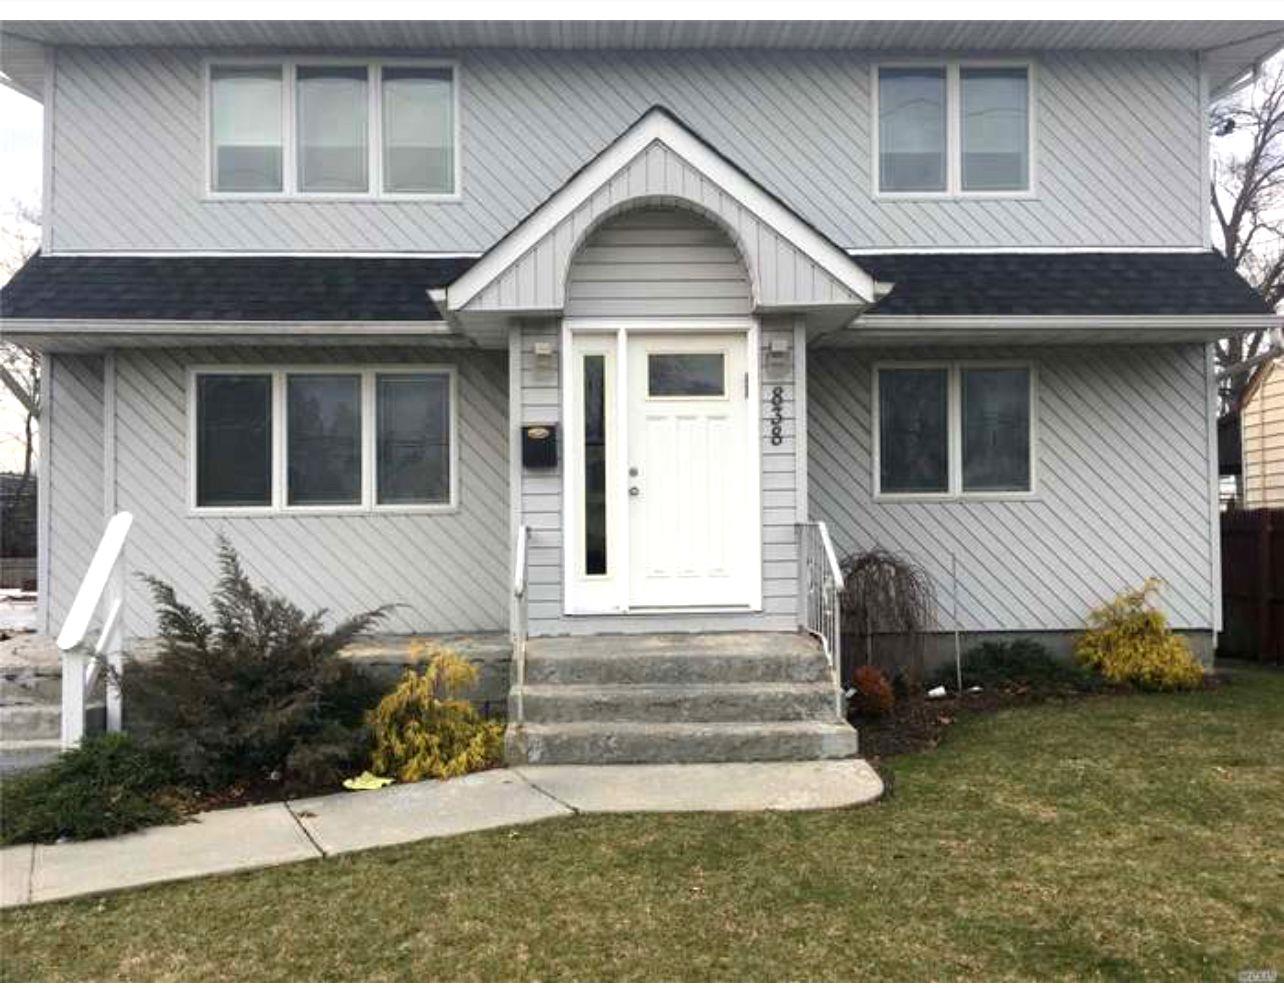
(777, 415)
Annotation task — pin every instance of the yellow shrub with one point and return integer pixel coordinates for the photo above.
(423, 730)
(1128, 641)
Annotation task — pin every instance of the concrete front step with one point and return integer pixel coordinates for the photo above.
(665, 703)
(43, 721)
(19, 756)
(676, 659)
(627, 742)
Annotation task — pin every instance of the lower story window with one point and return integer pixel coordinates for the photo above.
(323, 438)
(954, 429)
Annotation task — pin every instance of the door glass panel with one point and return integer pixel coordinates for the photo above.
(323, 420)
(595, 464)
(913, 437)
(685, 375)
(233, 440)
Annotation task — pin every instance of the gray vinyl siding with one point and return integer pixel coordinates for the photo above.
(74, 416)
(657, 262)
(693, 269)
(1123, 489)
(1118, 151)
(446, 572)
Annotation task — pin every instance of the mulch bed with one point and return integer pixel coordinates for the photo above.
(919, 723)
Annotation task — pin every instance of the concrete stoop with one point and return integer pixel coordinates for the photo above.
(30, 703)
(620, 699)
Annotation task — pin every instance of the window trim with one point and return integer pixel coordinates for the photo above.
(954, 128)
(368, 374)
(954, 426)
(290, 191)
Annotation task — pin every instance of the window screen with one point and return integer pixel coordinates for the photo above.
(245, 128)
(996, 429)
(913, 430)
(413, 438)
(418, 130)
(911, 130)
(995, 129)
(333, 111)
(323, 450)
(233, 440)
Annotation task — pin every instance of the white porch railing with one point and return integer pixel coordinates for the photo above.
(519, 620)
(104, 584)
(819, 585)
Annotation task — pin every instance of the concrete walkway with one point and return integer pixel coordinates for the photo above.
(279, 833)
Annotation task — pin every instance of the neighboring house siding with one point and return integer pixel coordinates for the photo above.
(1262, 429)
(446, 572)
(541, 496)
(76, 513)
(1119, 141)
(1123, 488)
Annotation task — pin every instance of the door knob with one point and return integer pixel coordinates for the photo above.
(634, 491)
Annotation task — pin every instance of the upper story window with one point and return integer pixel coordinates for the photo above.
(338, 128)
(951, 430)
(953, 129)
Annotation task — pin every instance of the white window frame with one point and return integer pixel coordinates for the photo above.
(368, 373)
(290, 190)
(954, 430)
(954, 128)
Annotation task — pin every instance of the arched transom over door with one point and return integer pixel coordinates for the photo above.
(662, 465)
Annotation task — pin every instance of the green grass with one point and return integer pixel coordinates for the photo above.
(1135, 838)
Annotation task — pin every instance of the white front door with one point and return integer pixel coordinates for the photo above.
(692, 531)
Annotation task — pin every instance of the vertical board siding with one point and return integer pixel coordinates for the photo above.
(76, 511)
(1122, 488)
(1262, 438)
(445, 572)
(1118, 146)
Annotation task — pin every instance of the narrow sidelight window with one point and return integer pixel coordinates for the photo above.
(996, 429)
(323, 426)
(246, 128)
(913, 436)
(418, 130)
(594, 464)
(911, 130)
(233, 440)
(412, 438)
(333, 128)
(995, 129)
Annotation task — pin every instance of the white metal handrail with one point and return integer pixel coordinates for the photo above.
(104, 582)
(519, 621)
(820, 608)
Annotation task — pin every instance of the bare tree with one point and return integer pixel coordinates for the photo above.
(1248, 203)
(20, 366)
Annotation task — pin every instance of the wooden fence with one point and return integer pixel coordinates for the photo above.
(1253, 584)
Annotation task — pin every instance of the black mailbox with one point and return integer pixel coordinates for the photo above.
(539, 446)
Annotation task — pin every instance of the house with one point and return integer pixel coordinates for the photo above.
(609, 337)
(1261, 434)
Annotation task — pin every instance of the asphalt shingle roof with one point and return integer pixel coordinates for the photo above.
(378, 289)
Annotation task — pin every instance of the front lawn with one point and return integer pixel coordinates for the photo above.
(1120, 837)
